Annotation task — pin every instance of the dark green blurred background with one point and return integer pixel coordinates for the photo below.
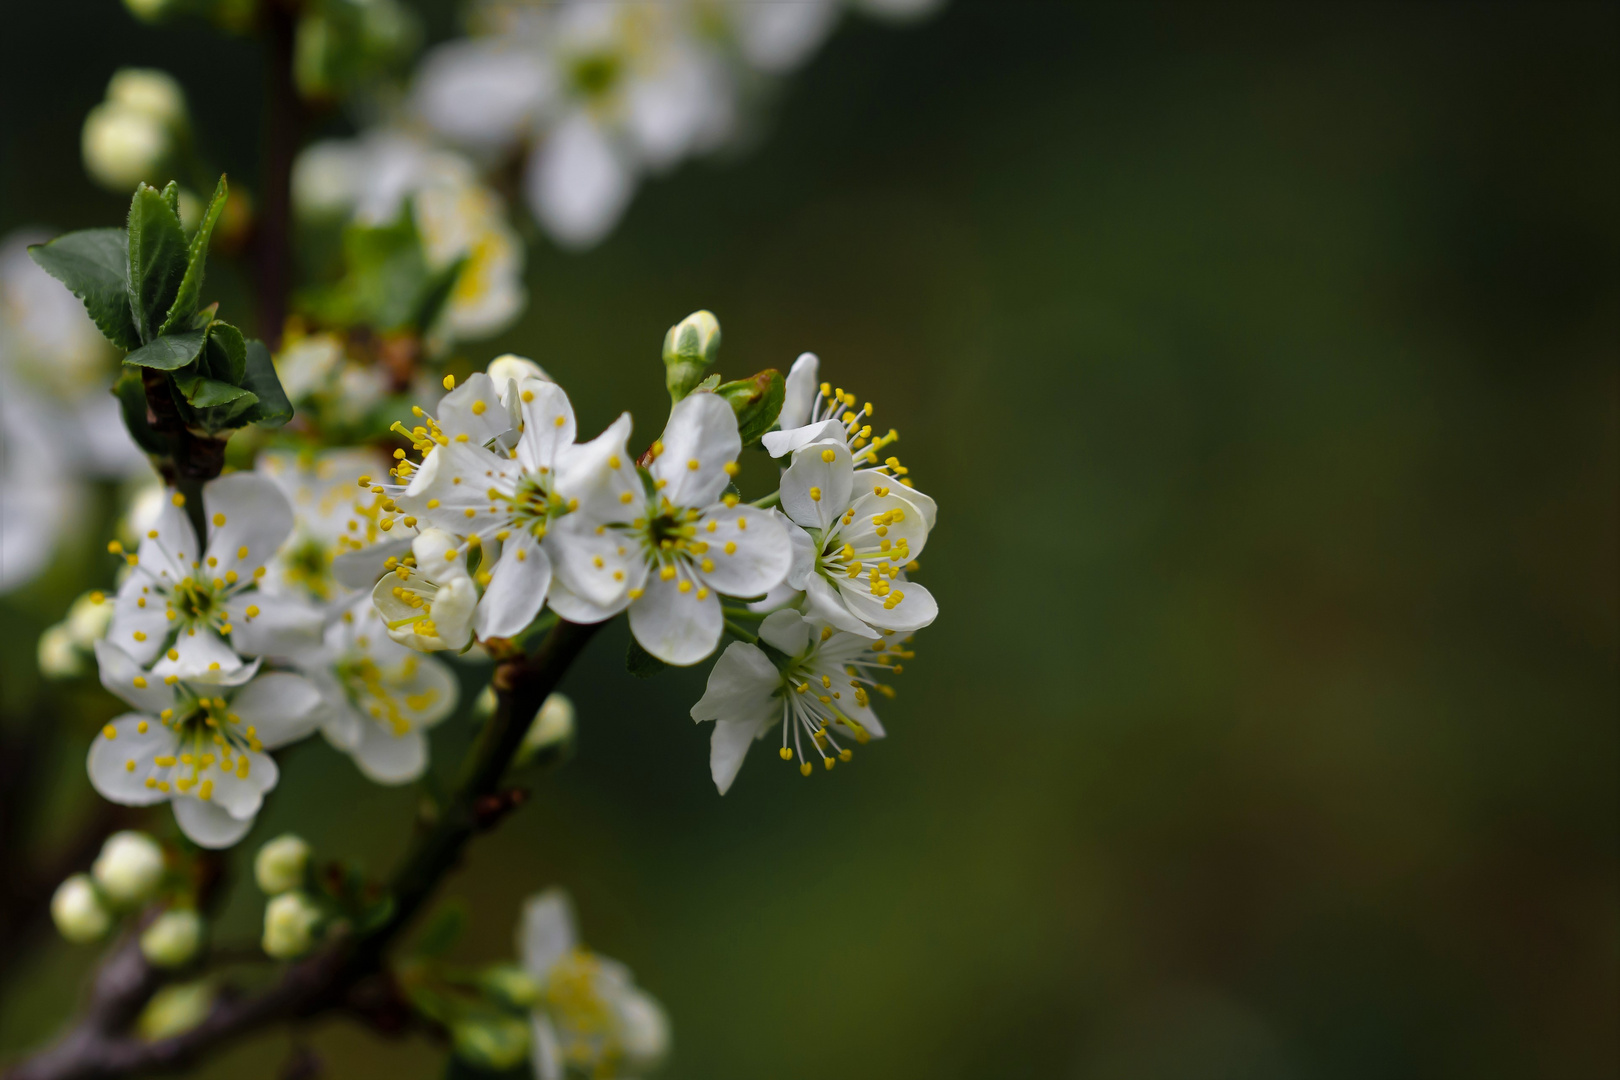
(1263, 362)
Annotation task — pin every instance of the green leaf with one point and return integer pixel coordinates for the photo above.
(641, 663)
(273, 408)
(757, 401)
(201, 392)
(227, 353)
(435, 294)
(185, 301)
(94, 265)
(157, 259)
(170, 352)
(443, 929)
(130, 390)
(171, 195)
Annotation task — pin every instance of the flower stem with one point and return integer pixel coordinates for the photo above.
(743, 635)
(768, 501)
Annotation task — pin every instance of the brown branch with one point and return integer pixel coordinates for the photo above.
(344, 974)
(284, 131)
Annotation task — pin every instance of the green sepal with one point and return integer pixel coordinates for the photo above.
(707, 386)
(272, 408)
(130, 390)
(442, 930)
(170, 352)
(190, 293)
(757, 401)
(201, 392)
(227, 353)
(157, 259)
(641, 663)
(94, 265)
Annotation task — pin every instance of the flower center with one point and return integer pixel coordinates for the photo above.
(208, 735)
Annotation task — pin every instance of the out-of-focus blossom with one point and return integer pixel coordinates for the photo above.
(135, 134)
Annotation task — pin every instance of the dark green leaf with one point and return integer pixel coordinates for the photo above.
(130, 391)
(273, 408)
(757, 401)
(201, 392)
(170, 352)
(171, 195)
(443, 929)
(227, 353)
(157, 259)
(641, 663)
(185, 301)
(94, 265)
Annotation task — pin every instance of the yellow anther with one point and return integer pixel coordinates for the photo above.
(140, 635)
(742, 523)
(732, 468)
(433, 504)
(815, 494)
(685, 586)
(827, 761)
(627, 498)
(478, 408)
(708, 566)
(410, 522)
(177, 499)
(731, 547)
(804, 768)
(142, 725)
(114, 547)
(785, 754)
(829, 455)
(618, 575)
(730, 501)
(449, 382)
(667, 573)
(694, 465)
(562, 421)
(219, 519)
(844, 755)
(450, 556)
(110, 731)
(470, 512)
(364, 481)
(140, 682)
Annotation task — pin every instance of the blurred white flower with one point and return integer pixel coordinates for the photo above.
(591, 1019)
(136, 132)
(280, 864)
(333, 516)
(129, 868)
(173, 938)
(428, 600)
(290, 924)
(197, 743)
(78, 910)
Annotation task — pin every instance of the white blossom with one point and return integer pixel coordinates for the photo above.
(427, 602)
(591, 1017)
(816, 689)
(335, 519)
(198, 743)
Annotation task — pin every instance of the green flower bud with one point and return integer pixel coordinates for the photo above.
(173, 938)
(59, 657)
(174, 1010)
(553, 726)
(290, 923)
(510, 985)
(690, 346)
(491, 1040)
(78, 911)
(281, 864)
(129, 868)
(756, 401)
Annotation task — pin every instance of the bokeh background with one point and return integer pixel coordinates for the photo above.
(1263, 362)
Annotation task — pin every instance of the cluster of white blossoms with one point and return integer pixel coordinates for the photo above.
(597, 93)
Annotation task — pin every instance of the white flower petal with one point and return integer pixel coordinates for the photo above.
(827, 603)
(545, 1049)
(578, 184)
(675, 626)
(749, 550)
(517, 588)
(778, 443)
(787, 631)
(914, 612)
(108, 761)
(481, 93)
(282, 626)
(460, 411)
(902, 520)
(172, 552)
(361, 569)
(741, 687)
(548, 424)
(280, 706)
(577, 609)
(803, 386)
(248, 518)
(386, 758)
(547, 933)
(139, 624)
(208, 825)
(600, 474)
(871, 480)
(816, 487)
(728, 745)
(700, 440)
(200, 655)
(598, 565)
(803, 563)
(121, 675)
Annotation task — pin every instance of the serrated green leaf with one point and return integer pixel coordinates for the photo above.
(201, 392)
(186, 300)
(273, 409)
(641, 663)
(130, 391)
(157, 259)
(171, 195)
(227, 353)
(204, 316)
(94, 265)
(170, 352)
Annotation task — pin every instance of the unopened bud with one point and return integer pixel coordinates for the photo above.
(78, 911)
(514, 368)
(173, 938)
(175, 1010)
(129, 868)
(290, 922)
(59, 657)
(149, 91)
(756, 401)
(511, 985)
(150, 10)
(281, 864)
(492, 1041)
(690, 346)
(553, 726)
(123, 146)
(88, 618)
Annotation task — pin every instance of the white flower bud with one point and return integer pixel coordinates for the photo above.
(290, 922)
(129, 867)
(690, 346)
(123, 146)
(280, 865)
(516, 368)
(553, 726)
(149, 91)
(59, 657)
(173, 938)
(88, 618)
(78, 911)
